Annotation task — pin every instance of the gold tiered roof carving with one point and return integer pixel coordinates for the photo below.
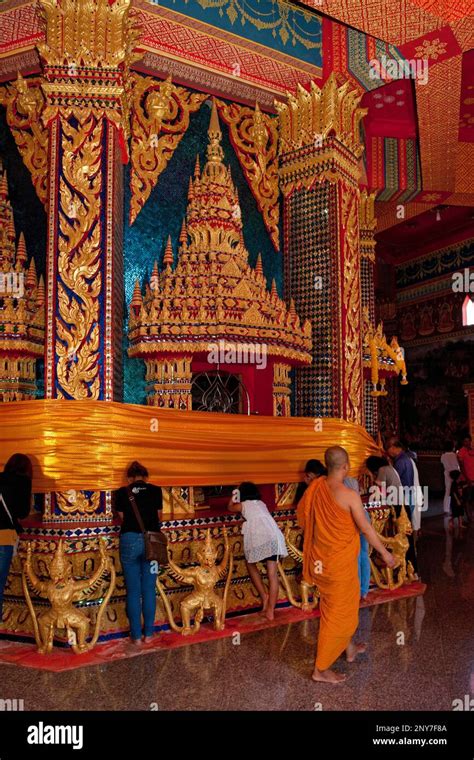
(22, 295)
(213, 293)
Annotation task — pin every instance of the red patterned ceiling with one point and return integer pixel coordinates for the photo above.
(396, 21)
(437, 115)
(442, 111)
(434, 111)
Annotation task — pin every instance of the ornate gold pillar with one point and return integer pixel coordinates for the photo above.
(367, 225)
(71, 126)
(284, 492)
(320, 150)
(85, 88)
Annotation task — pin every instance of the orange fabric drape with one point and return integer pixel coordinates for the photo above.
(87, 445)
(330, 551)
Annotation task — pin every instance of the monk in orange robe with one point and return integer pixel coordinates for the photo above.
(332, 517)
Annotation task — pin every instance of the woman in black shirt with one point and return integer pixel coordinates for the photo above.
(139, 573)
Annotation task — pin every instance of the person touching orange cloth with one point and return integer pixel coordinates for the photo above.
(332, 518)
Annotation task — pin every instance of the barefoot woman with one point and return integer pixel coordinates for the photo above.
(332, 516)
(263, 543)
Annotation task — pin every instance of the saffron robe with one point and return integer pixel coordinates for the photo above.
(330, 562)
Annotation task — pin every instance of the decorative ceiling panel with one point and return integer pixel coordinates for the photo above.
(438, 120)
(395, 21)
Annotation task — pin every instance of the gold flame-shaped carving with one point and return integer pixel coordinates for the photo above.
(254, 136)
(160, 118)
(323, 111)
(24, 102)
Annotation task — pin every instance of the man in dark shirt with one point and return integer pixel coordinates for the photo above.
(403, 464)
(139, 573)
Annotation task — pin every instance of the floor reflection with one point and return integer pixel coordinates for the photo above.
(419, 657)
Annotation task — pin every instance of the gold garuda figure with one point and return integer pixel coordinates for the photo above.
(398, 545)
(62, 590)
(380, 356)
(204, 578)
(305, 605)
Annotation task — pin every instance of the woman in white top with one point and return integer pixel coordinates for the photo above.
(450, 462)
(263, 542)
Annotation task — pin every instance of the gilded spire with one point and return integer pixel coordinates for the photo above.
(40, 293)
(11, 228)
(21, 254)
(4, 185)
(214, 221)
(168, 257)
(137, 298)
(7, 227)
(183, 235)
(215, 154)
(21, 310)
(155, 277)
(212, 289)
(31, 277)
(214, 125)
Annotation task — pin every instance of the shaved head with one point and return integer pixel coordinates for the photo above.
(335, 458)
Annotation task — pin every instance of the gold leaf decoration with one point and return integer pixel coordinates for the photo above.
(254, 136)
(352, 306)
(332, 109)
(89, 47)
(159, 119)
(98, 32)
(78, 501)
(24, 103)
(79, 259)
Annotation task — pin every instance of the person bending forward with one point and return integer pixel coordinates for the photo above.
(332, 517)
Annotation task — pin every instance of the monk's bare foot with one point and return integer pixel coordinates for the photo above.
(328, 676)
(353, 650)
(265, 603)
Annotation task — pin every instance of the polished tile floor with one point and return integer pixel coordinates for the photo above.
(420, 657)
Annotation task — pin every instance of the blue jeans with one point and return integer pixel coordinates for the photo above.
(140, 584)
(364, 563)
(6, 555)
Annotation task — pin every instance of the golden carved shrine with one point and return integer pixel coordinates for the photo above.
(196, 288)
